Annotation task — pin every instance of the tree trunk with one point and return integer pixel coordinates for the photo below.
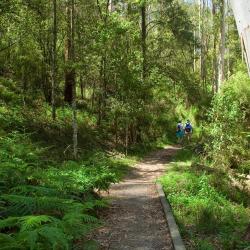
(200, 32)
(69, 72)
(75, 127)
(143, 40)
(70, 83)
(221, 74)
(53, 80)
(203, 45)
(126, 139)
(82, 86)
(194, 55)
(110, 6)
(93, 95)
(215, 38)
(116, 130)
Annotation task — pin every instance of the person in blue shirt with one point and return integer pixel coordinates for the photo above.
(188, 130)
(179, 132)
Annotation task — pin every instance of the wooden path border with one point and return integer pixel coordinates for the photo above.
(173, 228)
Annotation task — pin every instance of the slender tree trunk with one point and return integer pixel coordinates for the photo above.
(110, 6)
(200, 32)
(70, 82)
(228, 49)
(69, 72)
(116, 130)
(24, 86)
(93, 95)
(143, 40)
(228, 63)
(75, 126)
(99, 120)
(194, 55)
(221, 70)
(203, 46)
(102, 95)
(53, 80)
(81, 86)
(126, 139)
(215, 66)
(104, 85)
(215, 38)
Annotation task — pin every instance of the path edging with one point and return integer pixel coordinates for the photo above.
(173, 228)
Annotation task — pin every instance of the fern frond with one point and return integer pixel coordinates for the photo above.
(55, 236)
(89, 218)
(9, 243)
(103, 203)
(37, 190)
(31, 222)
(92, 204)
(10, 222)
(28, 205)
(76, 218)
(30, 238)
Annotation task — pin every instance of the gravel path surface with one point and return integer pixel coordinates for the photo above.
(135, 219)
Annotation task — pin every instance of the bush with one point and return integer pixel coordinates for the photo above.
(46, 204)
(228, 127)
(206, 217)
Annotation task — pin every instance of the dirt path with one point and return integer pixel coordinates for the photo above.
(135, 220)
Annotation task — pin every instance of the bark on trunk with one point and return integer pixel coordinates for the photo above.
(126, 139)
(69, 72)
(215, 39)
(75, 127)
(143, 40)
(53, 80)
(222, 46)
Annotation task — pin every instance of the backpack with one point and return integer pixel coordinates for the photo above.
(179, 127)
(188, 127)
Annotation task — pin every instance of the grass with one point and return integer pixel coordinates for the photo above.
(207, 215)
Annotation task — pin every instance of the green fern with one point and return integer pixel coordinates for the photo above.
(9, 243)
(34, 230)
(46, 206)
(76, 218)
(28, 205)
(31, 222)
(36, 190)
(55, 236)
(10, 222)
(29, 238)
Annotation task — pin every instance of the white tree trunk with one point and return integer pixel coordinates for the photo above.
(241, 10)
(110, 6)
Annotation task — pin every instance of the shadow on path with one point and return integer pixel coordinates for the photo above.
(135, 219)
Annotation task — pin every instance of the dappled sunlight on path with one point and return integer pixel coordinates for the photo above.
(135, 219)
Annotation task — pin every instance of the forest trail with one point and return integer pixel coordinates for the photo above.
(135, 219)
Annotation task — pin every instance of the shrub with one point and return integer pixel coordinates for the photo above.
(48, 205)
(228, 126)
(208, 219)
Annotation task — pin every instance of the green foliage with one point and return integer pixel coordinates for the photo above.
(48, 205)
(48, 200)
(228, 145)
(208, 219)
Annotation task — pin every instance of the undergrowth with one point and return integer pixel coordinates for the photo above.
(48, 200)
(210, 216)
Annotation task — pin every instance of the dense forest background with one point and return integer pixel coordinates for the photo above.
(85, 83)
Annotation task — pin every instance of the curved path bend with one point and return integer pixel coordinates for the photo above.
(135, 220)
